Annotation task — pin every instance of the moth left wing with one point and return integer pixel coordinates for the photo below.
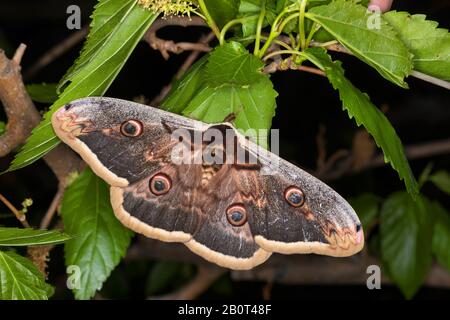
(95, 128)
(130, 146)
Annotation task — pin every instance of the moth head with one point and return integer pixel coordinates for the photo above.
(111, 135)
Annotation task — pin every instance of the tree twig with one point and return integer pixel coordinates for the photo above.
(286, 269)
(288, 64)
(430, 79)
(55, 52)
(167, 46)
(202, 281)
(346, 165)
(19, 215)
(419, 75)
(20, 110)
(321, 148)
(204, 39)
(63, 161)
(17, 58)
(45, 222)
(337, 47)
(182, 70)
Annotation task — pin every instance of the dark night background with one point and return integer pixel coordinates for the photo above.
(305, 101)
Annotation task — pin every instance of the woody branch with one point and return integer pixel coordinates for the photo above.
(23, 117)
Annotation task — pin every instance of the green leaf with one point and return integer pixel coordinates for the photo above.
(184, 90)
(367, 208)
(280, 4)
(358, 106)
(222, 11)
(442, 180)
(380, 48)
(441, 235)
(2, 127)
(99, 239)
(429, 44)
(226, 81)
(406, 236)
(117, 28)
(43, 92)
(161, 276)
(322, 35)
(251, 10)
(20, 279)
(232, 64)
(234, 84)
(29, 237)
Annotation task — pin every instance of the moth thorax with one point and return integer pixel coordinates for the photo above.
(208, 171)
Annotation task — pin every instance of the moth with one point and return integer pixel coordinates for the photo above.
(234, 214)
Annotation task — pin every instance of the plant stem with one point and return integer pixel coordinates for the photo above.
(292, 39)
(301, 23)
(315, 27)
(278, 52)
(196, 12)
(259, 27)
(280, 43)
(271, 37)
(430, 79)
(209, 19)
(286, 21)
(326, 44)
(297, 46)
(228, 26)
(19, 215)
(274, 32)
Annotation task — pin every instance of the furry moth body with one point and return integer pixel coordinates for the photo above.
(230, 214)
